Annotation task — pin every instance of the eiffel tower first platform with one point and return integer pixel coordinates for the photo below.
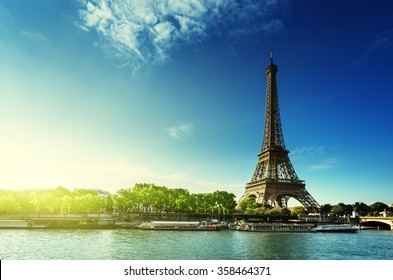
(274, 180)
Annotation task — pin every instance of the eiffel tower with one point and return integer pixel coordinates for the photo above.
(274, 180)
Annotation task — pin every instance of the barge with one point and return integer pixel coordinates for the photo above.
(275, 227)
(179, 225)
(337, 228)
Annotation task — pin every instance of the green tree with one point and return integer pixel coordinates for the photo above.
(183, 204)
(60, 191)
(145, 195)
(24, 199)
(348, 208)
(338, 210)
(225, 201)
(326, 208)
(200, 202)
(160, 198)
(126, 201)
(248, 204)
(66, 204)
(183, 201)
(179, 200)
(45, 201)
(298, 210)
(88, 203)
(9, 205)
(377, 207)
(362, 208)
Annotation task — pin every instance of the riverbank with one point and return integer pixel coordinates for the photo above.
(237, 222)
(92, 221)
(88, 221)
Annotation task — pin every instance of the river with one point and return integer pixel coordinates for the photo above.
(135, 244)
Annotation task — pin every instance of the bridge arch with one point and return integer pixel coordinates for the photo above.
(377, 222)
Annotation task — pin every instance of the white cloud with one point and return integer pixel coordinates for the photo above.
(305, 151)
(383, 40)
(180, 130)
(35, 37)
(325, 165)
(144, 32)
(308, 154)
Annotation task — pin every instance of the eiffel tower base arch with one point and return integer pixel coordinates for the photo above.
(277, 194)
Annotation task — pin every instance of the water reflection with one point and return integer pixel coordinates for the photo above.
(124, 244)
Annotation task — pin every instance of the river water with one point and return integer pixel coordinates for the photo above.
(134, 244)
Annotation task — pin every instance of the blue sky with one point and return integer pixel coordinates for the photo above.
(105, 94)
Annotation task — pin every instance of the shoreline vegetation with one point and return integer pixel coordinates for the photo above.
(142, 198)
(143, 202)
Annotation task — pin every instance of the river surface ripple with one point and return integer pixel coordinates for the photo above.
(134, 244)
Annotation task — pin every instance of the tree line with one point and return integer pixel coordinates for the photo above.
(140, 198)
(342, 209)
(54, 201)
(159, 199)
(250, 206)
(143, 198)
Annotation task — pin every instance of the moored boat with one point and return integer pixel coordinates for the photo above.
(178, 225)
(14, 224)
(274, 227)
(337, 228)
(20, 224)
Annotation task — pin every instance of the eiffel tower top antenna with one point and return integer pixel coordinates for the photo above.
(271, 56)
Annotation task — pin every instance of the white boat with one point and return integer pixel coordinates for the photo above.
(275, 227)
(176, 225)
(11, 224)
(336, 228)
(38, 226)
(16, 224)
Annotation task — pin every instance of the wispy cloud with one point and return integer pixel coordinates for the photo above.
(180, 130)
(144, 32)
(317, 158)
(325, 164)
(306, 151)
(35, 37)
(382, 40)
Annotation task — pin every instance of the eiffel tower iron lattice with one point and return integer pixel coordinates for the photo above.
(274, 180)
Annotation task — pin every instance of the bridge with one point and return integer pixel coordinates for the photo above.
(380, 222)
